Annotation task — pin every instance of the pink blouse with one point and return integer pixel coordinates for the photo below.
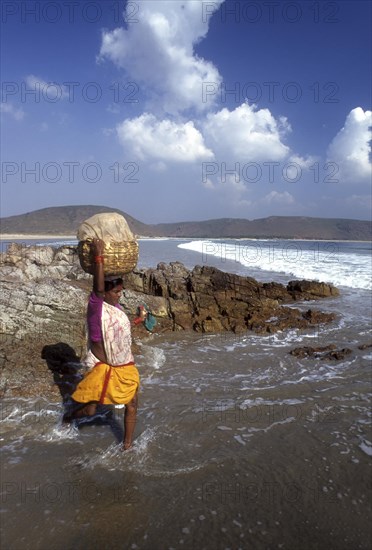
(94, 315)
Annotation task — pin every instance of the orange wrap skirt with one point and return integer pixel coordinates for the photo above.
(108, 385)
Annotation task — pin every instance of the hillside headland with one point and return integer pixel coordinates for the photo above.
(63, 221)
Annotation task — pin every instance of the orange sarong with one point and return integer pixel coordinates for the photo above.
(117, 382)
(108, 385)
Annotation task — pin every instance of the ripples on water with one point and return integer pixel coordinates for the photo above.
(238, 445)
(231, 429)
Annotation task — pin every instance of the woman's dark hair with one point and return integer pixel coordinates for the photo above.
(112, 283)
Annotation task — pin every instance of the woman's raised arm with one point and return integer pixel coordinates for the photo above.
(98, 270)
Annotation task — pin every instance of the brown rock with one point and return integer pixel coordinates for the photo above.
(365, 346)
(308, 290)
(209, 300)
(309, 351)
(326, 352)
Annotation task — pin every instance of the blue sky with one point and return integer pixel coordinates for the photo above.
(187, 110)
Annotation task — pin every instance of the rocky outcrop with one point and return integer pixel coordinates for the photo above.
(329, 352)
(209, 300)
(44, 294)
(365, 346)
(43, 301)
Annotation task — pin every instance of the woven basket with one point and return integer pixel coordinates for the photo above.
(119, 257)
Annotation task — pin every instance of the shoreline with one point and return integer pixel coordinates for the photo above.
(31, 237)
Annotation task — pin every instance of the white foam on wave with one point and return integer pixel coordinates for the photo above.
(59, 243)
(154, 357)
(324, 263)
(257, 345)
(253, 430)
(60, 432)
(140, 458)
(25, 411)
(259, 402)
(154, 239)
(11, 414)
(114, 458)
(366, 447)
(15, 451)
(282, 374)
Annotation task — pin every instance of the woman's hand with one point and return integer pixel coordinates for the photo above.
(97, 247)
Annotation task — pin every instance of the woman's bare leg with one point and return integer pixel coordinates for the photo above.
(88, 410)
(130, 422)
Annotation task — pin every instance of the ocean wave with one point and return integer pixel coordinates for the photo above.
(326, 262)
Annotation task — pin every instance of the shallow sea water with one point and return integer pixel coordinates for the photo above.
(238, 445)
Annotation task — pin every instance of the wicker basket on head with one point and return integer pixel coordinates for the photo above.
(119, 257)
(121, 249)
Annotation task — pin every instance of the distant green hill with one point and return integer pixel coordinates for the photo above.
(61, 220)
(65, 220)
(291, 227)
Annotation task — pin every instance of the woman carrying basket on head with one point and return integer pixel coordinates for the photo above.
(112, 377)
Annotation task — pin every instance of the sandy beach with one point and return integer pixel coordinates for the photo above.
(28, 237)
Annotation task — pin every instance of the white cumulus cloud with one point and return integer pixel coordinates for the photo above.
(360, 202)
(350, 149)
(157, 51)
(16, 113)
(241, 146)
(275, 197)
(246, 134)
(49, 91)
(150, 138)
